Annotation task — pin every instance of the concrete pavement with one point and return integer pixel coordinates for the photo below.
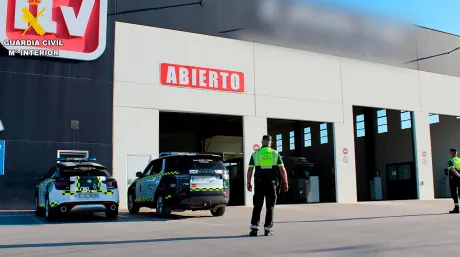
(402, 228)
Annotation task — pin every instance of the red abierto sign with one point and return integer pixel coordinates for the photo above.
(199, 77)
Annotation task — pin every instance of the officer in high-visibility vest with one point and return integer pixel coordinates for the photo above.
(268, 167)
(453, 166)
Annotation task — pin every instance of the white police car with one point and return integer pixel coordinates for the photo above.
(76, 185)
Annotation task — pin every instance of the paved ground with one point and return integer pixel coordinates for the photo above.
(413, 228)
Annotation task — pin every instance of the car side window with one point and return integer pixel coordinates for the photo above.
(171, 164)
(157, 166)
(148, 169)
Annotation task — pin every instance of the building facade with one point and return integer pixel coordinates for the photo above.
(111, 106)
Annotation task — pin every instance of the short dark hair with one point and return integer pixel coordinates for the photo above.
(454, 150)
(267, 138)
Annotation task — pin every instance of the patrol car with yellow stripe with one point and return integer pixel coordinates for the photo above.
(180, 182)
(76, 185)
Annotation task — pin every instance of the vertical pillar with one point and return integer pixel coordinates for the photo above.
(253, 130)
(135, 132)
(344, 152)
(422, 155)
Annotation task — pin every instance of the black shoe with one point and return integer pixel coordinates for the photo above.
(456, 210)
(269, 233)
(253, 232)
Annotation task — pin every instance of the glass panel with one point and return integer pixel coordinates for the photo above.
(406, 124)
(405, 116)
(392, 173)
(404, 172)
(323, 126)
(291, 140)
(307, 136)
(382, 129)
(291, 146)
(324, 140)
(382, 113)
(323, 133)
(360, 133)
(279, 142)
(360, 118)
(279, 148)
(306, 130)
(434, 118)
(278, 137)
(307, 143)
(382, 121)
(360, 125)
(291, 134)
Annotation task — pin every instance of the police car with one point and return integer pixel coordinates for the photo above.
(180, 182)
(76, 185)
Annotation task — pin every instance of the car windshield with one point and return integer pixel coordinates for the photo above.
(84, 171)
(202, 162)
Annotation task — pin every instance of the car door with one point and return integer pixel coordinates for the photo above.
(153, 180)
(43, 187)
(139, 184)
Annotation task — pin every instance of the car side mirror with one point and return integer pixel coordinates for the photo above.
(139, 174)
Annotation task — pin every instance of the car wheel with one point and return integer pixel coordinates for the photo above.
(50, 213)
(218, 211)
(163, 209)
(133, 207)
(38, 210)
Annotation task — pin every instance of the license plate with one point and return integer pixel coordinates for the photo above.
(87, 196)
(203, 178)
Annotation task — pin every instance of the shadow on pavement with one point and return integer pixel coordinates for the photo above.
(42, 245)
(32, 220)
(363, 218)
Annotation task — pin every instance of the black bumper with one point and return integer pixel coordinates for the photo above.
(200, 201)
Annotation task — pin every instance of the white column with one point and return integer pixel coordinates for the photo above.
(135, 132)
(422, 158)
(344, 151)
(253, 130)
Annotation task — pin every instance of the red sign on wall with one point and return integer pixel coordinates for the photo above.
(204, 78)
(345, 151)
(255, 147)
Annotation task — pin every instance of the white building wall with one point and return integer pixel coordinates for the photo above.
(279, 83)
(135, 132)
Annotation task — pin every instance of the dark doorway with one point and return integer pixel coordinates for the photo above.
(191, 132)
(384, 137)
(307, 149)
(401, 181)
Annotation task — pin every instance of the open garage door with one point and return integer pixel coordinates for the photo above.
(187, 132)
(385, 167)
(444, 135)
(307, 149)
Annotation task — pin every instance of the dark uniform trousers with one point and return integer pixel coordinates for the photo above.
(454, 184)
(268, 189)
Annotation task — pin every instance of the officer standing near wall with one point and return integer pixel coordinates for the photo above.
(268, 167)
(453, 167)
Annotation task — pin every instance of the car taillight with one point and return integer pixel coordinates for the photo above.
(111, 184)
(63, 185)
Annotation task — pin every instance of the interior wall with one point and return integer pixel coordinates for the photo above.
(320, 154)
(226, 144)
(444, 136)
(395, 146)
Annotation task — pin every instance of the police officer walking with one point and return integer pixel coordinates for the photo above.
(453, 167)
(268, 167)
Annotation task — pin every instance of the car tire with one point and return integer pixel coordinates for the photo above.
(218, 212)
(162, 207)
(111, 215)
(50, 213)
(38, 210)
(133, 207)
